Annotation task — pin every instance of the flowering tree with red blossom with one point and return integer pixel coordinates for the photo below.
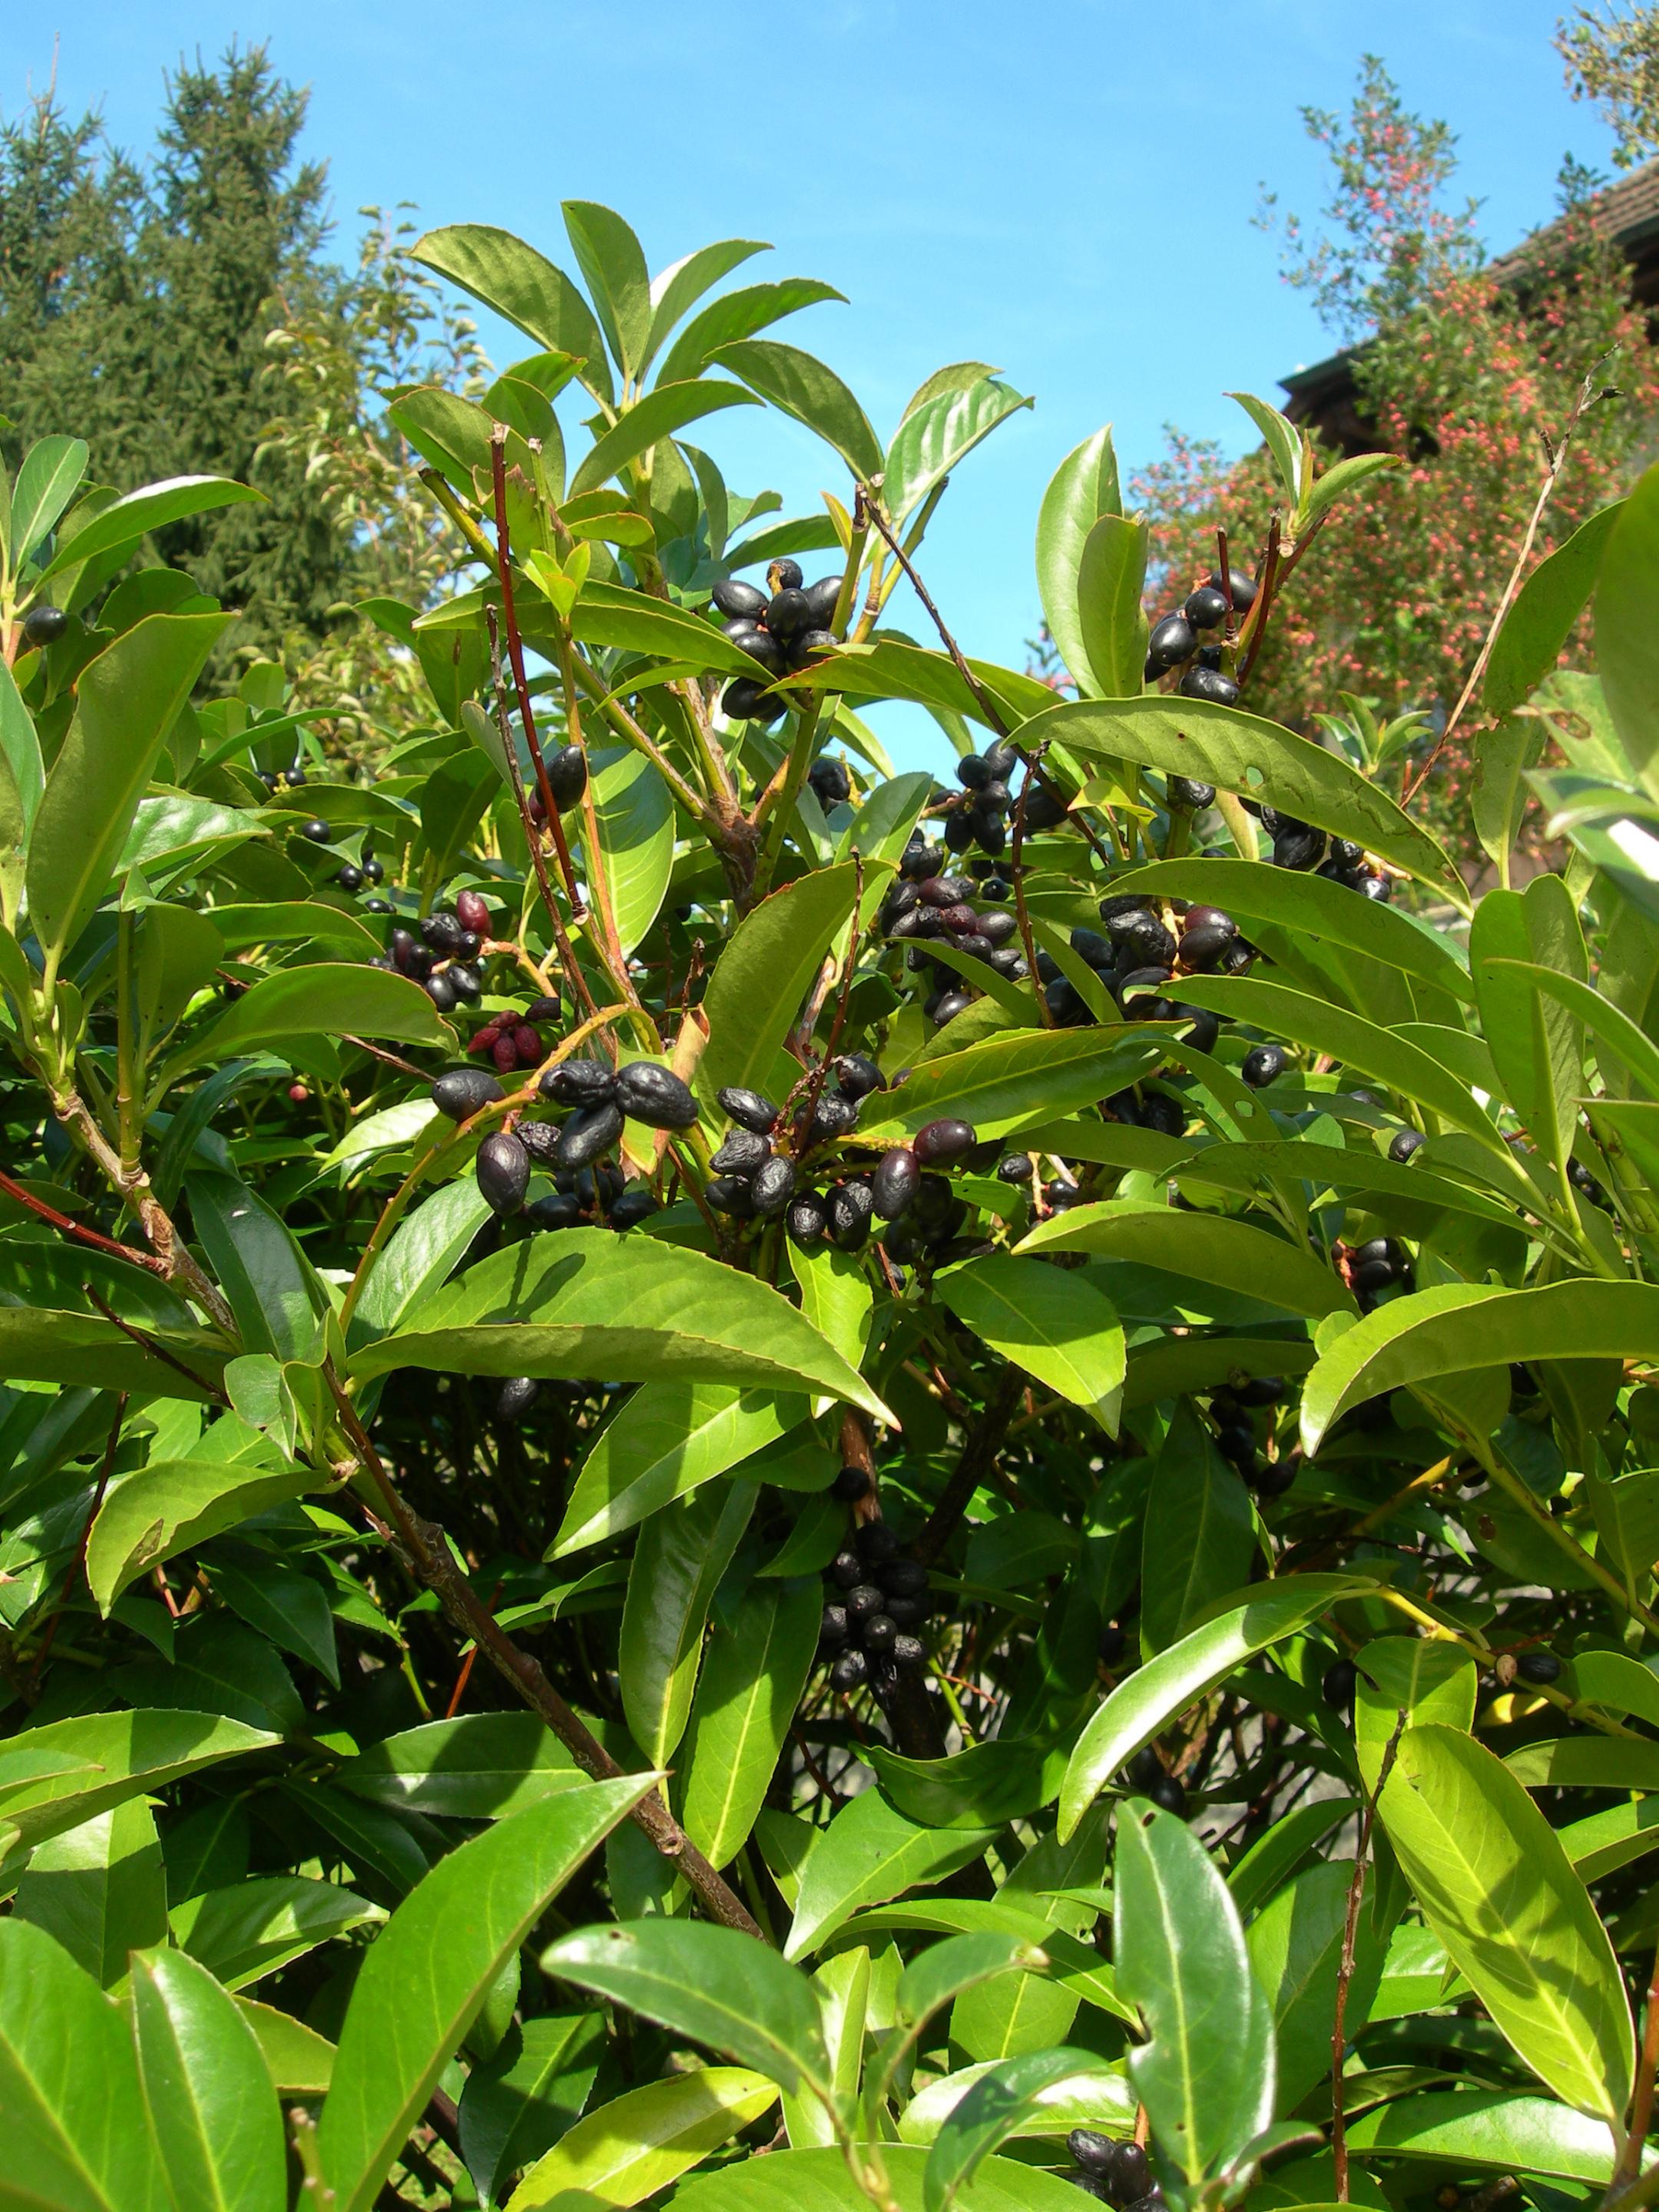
(1469, 372)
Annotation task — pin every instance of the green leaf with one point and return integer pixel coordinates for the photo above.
(127, 520)
(52, 471)
(517, 282)
(1425, 1679)
(1497, 1887)
(1541, 620)
(752, 1681)
(1111, 579)
(739, 315)
(1200, 1534)
(1056, 1325)
(676, 1568)
(127, 697)
(60, 1775)
(1007, 1079)
(1280, 435)
(1536, 1042)
(479, 1766)
(1142, 1706)
(939, 433)
(212, 2103)
(1082, 489)
(870, 1853)
(520, 2100)
(635, 815)
(676, 289)
(1091, 2095)
(253, 1929)
(719, 1988)
(666, 1440)
(1359, 1044)
(589, 1304)
(658, 415)
(1206, 2075)
(326, 1000)
(758, 982)
(1458, 1325)
(1003, 2098)
(1338, 480)
(99, 1889)
(219, 1666)
(1295, 1944)
(171, 1505)
(607, 615)
(1207, 1248)
(643, 2141)
(818, 2181)
(42, 1345)
(1258, 759)
(1274, 1857)
(275, 1296)
(1511, 2134)
(419, 1256)
(77, 2139)
(1626, 647)
(612, 261)
(803, 387)
(297, 2058)
(430, 1970)
(281, 1600)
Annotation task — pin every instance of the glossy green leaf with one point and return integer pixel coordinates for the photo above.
(936, 436)
(517, 282)
(739, 315)
(1110, 578)
(658, 415)
(476, 1766)
(1542, 618)
(758, 982)
(803, 387)
(100, 1890)
(428, 1972)
(1534, 2135)
(1536, 1042)
(613, 263)
(211, 2101)
(1497, 1887)
(243, 1933)
(1418, 1676)
(277, 1300)
(869, 1853)
(298, 2060)
(676, 290)
(1093, 2095)
(39, 1345)
(127, 699)
(51, 472)
(676, 1565)
(335, 1000)
(1295, 1945)
(1206, 2075)
(719, 1988)
(1082, 489)
(665, 1441)
(77, 2138)
(171, 1505)
(1242, 753)
(520, 2100)
(1459, 1326)
(635, 815)
(752, 1679)
(1280, 435)
(643, 2141)
(587, 1303)
(1207, 1248)
(1007, 1079)
(419, 1256)
(58, 1775)
(996, 2105)
(125, 520)
(1274, 1857)
(1058, 1328)
(818, 2181)
(1143, 1705)
(1200, 1534)
(1626, 648)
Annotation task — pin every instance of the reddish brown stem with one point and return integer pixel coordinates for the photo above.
(1344, 1969)
(93, 1238)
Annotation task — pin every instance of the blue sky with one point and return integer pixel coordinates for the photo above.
(1065, 190)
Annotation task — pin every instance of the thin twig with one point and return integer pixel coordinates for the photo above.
(426, 1551)
(1588, 392)
(93, 1238)
(1017, 870)
(1344, 1969)
(979, 1452)
(1641, 2103)
(208, 1389)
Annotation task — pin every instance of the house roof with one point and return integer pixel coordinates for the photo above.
(1626, 212)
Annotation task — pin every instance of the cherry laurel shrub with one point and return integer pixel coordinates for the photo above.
(736, 1480)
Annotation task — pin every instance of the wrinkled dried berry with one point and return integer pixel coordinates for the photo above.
(858, 1075)
(589, 1132)
(772, 1187)
(1209, 684)
(741, 1154)
(580, 1083)
(654, 1095)
(807, 1219)
(830, 781)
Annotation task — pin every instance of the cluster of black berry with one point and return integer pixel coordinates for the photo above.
(1298, 845)
(939, 907)
(350, 875)
(876, 1598)
(1231, 1407)
(782, 633)
(980, 816)
(1174, 641)
(1119, 2173)
(440, 958)
(292, 778)
(1147, 1777)
(1380, 1264)
(599, 1098)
